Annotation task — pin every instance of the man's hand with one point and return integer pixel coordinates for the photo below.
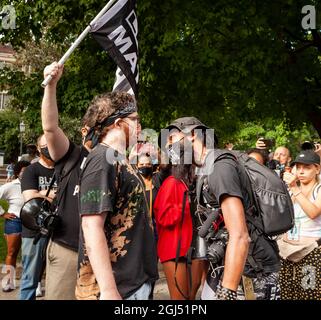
(55, 70)
(260, 144)
(290, 179)
(317, 148)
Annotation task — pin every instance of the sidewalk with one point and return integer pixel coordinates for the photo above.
(160, 292)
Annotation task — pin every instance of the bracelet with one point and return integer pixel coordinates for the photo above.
(225, 293)
(296, 194)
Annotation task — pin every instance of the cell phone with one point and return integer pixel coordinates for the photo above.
(268, 142)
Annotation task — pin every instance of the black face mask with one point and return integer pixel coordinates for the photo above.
(92, 136)
(45, 153)
(145, 171)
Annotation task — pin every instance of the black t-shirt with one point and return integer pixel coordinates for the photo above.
(67, 233)
(116, 189)
(35, 177)
(227, 178)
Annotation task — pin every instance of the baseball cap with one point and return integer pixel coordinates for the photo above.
(186, 124)
(307, 157)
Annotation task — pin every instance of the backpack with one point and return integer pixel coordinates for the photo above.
(270, 201)
(269, 209)
(270, 198)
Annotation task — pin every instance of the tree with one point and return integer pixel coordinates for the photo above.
(226, 62)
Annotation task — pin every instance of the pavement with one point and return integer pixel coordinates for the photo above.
(160, 291)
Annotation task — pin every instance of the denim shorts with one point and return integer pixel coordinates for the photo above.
(12, 226)
(142, 293)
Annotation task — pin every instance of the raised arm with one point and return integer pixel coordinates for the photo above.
(57, 141)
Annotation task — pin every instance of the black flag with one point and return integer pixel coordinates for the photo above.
(116, 31)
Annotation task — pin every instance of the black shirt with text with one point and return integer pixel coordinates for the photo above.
(35, 177)
(113, 187)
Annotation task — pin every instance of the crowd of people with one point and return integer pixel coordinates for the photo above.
(118, 214)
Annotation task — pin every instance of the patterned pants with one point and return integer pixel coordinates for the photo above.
(265, 288)
(302, 280)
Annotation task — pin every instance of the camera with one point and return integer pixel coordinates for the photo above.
(216, 250)
(268, 142)
(276, 166)
(273, 164)
(307, 145)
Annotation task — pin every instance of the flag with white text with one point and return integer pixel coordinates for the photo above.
(116, 31)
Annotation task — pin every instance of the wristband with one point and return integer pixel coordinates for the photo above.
(225, 293)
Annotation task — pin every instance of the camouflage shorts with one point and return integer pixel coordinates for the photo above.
(265, 288)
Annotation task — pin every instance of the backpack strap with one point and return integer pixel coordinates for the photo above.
(199, 185)
(316, 191)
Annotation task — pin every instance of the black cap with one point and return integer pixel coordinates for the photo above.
(307, 157)
(187, 125)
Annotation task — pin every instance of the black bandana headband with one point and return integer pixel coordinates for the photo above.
(120, 113)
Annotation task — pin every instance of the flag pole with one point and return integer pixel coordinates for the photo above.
(79, 39)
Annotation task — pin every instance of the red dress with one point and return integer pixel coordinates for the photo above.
(168, 216)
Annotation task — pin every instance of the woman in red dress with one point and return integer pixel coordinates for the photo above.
(175, 226)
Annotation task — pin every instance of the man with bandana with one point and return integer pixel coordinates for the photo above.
(117, 254)
(62, 251)
(35, 183)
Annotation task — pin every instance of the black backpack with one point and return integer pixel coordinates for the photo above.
(271, 204)
(268, 213)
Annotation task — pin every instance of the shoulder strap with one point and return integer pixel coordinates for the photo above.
(316, 191)
(71, 162)
(199, 185)
(53, 179)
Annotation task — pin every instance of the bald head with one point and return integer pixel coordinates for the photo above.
(282, 154)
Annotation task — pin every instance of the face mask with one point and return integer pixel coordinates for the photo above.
(146, 171)
(45, 153)
(180, 153)
(174, 153)
(92, 136)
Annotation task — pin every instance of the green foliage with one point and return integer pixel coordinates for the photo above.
(230, 63)
(9, 137)
(4, 204)
(275, 129)
(3, 246)
(3, 250)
